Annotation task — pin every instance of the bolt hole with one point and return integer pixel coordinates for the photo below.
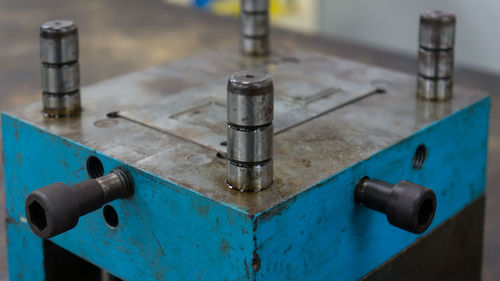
(381, 85)
(110, 216)
(113, 114)
(37, 216)
(425, 212)
(419, 157)
(94, 167)
(224, 143)
(221, 155)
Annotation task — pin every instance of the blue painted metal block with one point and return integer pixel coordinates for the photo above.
(183, 223)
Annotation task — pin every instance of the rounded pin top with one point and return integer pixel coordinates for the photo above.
(437, 30)
(250, 99)
(250, 83)
(436, 17)
(55, 29)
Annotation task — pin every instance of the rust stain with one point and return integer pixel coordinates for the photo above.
(247, 271)
(277, 210)
(224, 246)
(255, 258)
(303, 162)
(255, 262)
(203, 210)
(10, 220)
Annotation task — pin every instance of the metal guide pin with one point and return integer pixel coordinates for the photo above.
(250, 106)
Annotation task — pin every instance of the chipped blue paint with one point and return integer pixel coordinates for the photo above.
(167, 232)
(322, 235)
(25, 253)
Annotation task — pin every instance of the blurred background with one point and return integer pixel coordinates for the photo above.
(384, 23)
(119, 37)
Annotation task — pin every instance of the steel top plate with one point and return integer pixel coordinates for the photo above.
(304, 154)
(306, 85)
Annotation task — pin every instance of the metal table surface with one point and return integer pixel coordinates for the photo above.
(119, 37)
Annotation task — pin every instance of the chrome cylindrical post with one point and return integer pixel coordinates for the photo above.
(436, 55)
(254, 22)
(250, 107)
(59, 68)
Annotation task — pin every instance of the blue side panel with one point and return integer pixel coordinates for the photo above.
(321, 234)
(165, 232)
(25, 253)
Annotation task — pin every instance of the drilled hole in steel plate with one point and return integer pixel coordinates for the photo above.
(221, 155)
(419, 157)
(425, 212)
(110, 216)
(381, 85)
(114, 114)
(94, 167)
(224, 143)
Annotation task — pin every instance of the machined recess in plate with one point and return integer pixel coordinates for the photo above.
(303, 91)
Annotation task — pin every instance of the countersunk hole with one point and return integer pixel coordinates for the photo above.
(37, 215)
(419, 157)
(110, 216)
(94, 167)
(221, 155)
(224, 143)
(113, 114)
(425, 212)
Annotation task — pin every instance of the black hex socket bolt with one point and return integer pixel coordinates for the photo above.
(408, 206)
(56, 208)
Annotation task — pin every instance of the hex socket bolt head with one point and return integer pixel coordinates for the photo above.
(437, 30)
(56, 208)
(58, 42)
(407, 205)
(46, 215)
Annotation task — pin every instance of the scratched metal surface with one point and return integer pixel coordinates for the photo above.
(306, 85)
(304, 155)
